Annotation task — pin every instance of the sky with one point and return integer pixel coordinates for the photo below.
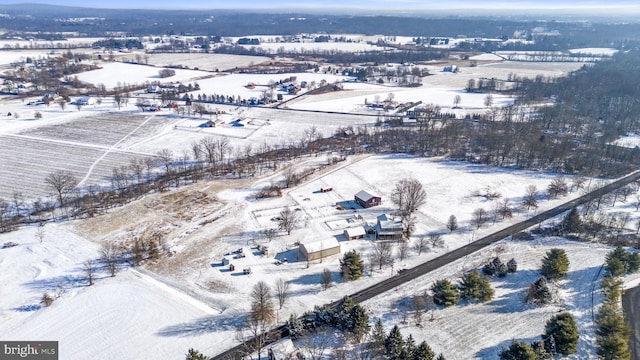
(337, 4)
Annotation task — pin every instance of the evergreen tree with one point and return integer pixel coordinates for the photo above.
(615, 267)
(564, 331)
(518, 350)
(539, 292)
(612, 332)
(342, 314)
(295, 326)
(394, 344)
(360, 322)
(618, 262)
(410, 347)
(440, 357)
(193, 354)
(633, 262)
(539, 350)
(512, 266)
(571, 222)
(351, 266)
(475, 287)
(555, 264)
(444, 293)
(378, 337)
(423, 352)
(549, 344)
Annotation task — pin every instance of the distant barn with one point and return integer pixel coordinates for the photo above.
(319, 249)
(367, 200)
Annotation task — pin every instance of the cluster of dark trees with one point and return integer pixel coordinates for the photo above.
(612, 331)
(560, 337)
(126, 43)
(45, 19)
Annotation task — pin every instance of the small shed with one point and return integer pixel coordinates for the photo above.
(86, 100)
(367, 200)
(319, 249)
(225, 261)
(355, 233)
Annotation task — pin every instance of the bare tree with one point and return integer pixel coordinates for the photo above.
(456, 101)
(557, 187)
(326, 279)
(40, 233)
(270, 234)
(282, 291)
(480, 217)
(261, 306)
(382, 254)
(288, 220)
(291, 178)
(46, 300)
(403, 247)
(408, 194)
(452, 223)
(166, 158)
(110, 257)
(436, 240)
(316, 344)
(530, 199)
(421, 245)
(62, 182)
(503, 209)
(89, 270)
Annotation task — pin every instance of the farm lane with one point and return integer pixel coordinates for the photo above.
(630, 301)
(113, 148)
(429, 266)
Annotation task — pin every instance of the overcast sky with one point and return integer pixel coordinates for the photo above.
(337, 4)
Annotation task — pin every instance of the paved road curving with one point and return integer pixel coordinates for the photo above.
(630, 301)
(424, 268)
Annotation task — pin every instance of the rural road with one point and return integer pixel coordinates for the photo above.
(630, 299)
(424, 268)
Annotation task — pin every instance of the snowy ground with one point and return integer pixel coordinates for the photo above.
(190, 300)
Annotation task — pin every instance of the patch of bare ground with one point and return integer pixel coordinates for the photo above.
(187, 222)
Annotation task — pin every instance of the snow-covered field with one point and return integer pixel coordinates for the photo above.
(188, 299)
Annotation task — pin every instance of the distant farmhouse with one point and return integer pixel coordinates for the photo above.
(319, 249)
(367, 200)
(389, 228)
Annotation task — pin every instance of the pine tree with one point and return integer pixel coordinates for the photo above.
(555, 264)
(564, 331)
(351, 266)
(193, 354)
(612, 332)
(342, 315)
(394, 344)
(571, 222)
(444, 293)
(512, 266)
(539, 292)
(410, 347)
(423, 352)
(360, 322)
(518, 350)
(295, 327)
(378, 337)
(475, 287)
